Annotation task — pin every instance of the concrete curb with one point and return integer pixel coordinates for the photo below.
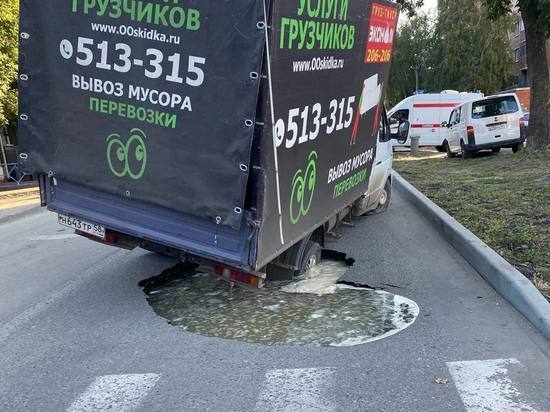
(500, 274)
(19, 214)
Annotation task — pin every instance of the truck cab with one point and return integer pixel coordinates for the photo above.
(377, 198)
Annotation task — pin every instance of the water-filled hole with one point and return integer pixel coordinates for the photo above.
(313, 310)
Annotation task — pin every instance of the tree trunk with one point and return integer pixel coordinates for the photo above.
(538, 134)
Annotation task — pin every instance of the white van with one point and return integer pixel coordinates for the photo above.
(426, 112)
(490, 123)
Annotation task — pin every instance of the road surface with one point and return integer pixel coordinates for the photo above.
(77, 334)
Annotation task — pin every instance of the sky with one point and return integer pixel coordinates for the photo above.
(430, 4)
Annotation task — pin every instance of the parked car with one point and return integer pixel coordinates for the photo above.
(425, 112)
(490, 123)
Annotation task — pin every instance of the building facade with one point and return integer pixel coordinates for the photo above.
(519, 52)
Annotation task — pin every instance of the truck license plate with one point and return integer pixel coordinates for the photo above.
(90, 228)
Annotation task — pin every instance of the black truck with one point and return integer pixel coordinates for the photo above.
(233, 133)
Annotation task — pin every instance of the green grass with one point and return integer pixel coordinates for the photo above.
(503, 198)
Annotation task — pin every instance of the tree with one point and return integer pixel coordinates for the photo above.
(409, 70)
(536, 19)
(471, 52)
(463, 50)
(411, 6)
(9, 17)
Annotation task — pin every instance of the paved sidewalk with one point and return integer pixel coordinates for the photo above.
(12, 199)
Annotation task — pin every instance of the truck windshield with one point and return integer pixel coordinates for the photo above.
(494, 107)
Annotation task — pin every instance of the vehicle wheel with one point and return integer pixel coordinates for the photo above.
(441, 148)
(310, 258)
(517, 147)
(466, 154)
(495, 149)
(450, 153)
(384, 198)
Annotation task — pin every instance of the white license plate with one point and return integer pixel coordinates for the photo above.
(90, 228)
(497, 127)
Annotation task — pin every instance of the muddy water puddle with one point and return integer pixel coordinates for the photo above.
(314, 310)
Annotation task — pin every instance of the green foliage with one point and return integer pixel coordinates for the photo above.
(413, 46)
(462, 49)
(9, 16)
(499, 8)
(471, 50)
(411, 6)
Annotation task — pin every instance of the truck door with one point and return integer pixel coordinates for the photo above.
(382, 161)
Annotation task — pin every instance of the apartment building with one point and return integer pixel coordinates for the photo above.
(519, 52)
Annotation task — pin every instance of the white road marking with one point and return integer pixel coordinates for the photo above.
(296, 390)
(484, 386)
(30, 313)
(54, 237)
(119, 393)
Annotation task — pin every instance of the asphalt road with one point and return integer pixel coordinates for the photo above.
(76, 333)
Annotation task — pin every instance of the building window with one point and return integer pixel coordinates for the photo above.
(515, 55)
(518, 28)
(522, 50)
(523, 79)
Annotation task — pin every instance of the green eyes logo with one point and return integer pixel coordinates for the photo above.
(303, 186)
(130, 158)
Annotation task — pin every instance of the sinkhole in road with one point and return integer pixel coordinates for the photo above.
(313, 310)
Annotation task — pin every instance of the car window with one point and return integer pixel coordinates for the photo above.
(399, 116)
(452, 118)
(458, 114)
(494, 107)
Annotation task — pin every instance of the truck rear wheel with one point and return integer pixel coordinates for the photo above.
(310, 258)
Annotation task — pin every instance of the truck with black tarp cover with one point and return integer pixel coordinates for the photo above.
(235, 133)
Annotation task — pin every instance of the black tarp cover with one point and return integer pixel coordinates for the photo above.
(169, 117)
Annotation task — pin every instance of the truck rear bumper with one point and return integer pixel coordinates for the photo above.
(153, 223)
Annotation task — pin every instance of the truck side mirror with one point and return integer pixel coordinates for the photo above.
(445, 124)
(403, 133)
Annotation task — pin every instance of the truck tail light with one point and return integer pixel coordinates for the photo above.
(471, 135)
(113, 239)
(110, 237)
(233, 275)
